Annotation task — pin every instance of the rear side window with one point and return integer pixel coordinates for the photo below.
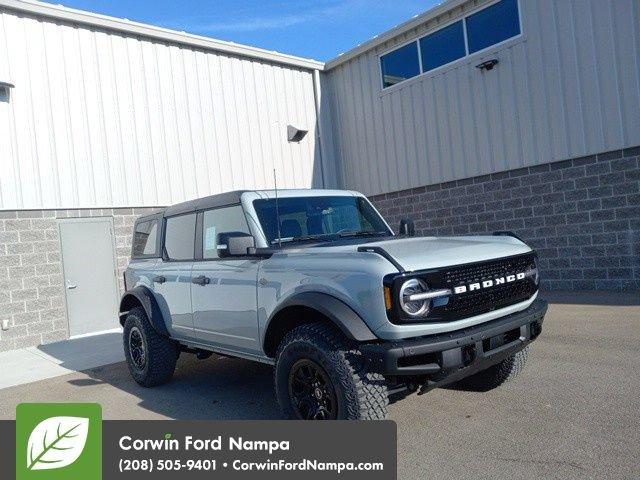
(145, 238)
(217, 225)
(179, 237)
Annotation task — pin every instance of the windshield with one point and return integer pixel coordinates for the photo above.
(311, 218)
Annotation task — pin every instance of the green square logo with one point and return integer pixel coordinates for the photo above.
(58, 441)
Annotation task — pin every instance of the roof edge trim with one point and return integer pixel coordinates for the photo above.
(394, 32)
(146, 30)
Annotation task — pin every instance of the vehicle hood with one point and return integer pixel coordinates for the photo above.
(420, 253)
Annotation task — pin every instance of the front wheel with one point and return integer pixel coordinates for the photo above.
(151, 358)
(319, 375)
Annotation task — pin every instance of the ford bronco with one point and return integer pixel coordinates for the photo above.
(316, 283)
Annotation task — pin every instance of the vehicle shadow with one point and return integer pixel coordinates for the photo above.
(218, 388)
(84, 352)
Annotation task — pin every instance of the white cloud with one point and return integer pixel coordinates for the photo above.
(307, 12)
(256, 23)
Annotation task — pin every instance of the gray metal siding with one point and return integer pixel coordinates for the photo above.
(568, 86)
(100, 118)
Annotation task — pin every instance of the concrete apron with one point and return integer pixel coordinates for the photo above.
(31, 364)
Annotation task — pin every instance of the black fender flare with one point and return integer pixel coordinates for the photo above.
(338, 312)
(141, 295)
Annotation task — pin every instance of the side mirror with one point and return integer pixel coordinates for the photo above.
(237, 245)
(407, 228)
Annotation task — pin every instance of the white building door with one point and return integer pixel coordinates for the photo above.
(88, 261)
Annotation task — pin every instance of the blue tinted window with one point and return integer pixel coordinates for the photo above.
(442, 47)
(400, 64)
(493, 25)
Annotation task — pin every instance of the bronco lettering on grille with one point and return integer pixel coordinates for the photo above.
(490, 283)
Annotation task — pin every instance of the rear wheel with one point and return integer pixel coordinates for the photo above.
(320, 375)
(151, 357)
(496, 375)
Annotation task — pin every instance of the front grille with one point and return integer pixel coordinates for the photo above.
(484, 300)
(472, 302)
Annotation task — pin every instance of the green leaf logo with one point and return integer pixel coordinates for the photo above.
(56, 442)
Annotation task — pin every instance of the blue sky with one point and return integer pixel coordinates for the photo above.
(319, 29)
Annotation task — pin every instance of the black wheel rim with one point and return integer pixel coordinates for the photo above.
(311, 392)
(137, 348)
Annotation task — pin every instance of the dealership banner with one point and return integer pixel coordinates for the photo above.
(71, 441)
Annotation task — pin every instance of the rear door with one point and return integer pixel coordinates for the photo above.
(172, 279)
(224, 290)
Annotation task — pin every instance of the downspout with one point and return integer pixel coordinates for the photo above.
(317, 95)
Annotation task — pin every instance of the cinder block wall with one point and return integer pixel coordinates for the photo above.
(32, 295)
(581, 215)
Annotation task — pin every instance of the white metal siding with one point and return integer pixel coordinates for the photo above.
(569, 86)
(99, 118)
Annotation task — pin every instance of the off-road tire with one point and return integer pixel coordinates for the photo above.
(496, 375)
(361, 395)
(161, 353)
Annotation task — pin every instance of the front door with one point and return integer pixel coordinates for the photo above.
(223, 290)
(89, 267)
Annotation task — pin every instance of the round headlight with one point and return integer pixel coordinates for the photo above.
(415, 308)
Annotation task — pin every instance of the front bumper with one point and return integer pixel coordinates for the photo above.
(455, 355)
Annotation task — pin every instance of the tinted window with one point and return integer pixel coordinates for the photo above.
(400, 64)
(180, 236)
(144, 238)
(493, 25)
(442, 47)
(218, 224)
(317, 217)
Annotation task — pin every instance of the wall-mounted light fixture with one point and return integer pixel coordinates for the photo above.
(295, 134)
(5, 91)
(488, 65)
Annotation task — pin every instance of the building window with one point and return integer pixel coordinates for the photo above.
(492, 25)
(400, 64)
(442, 47)
(145, 239)
(180, 236)
(489, 26)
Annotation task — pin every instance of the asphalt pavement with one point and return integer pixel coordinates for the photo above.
(574, 412)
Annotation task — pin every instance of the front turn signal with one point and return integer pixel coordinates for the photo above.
(387, 298)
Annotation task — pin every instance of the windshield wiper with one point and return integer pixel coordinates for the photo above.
(300, 239)
(363, 233)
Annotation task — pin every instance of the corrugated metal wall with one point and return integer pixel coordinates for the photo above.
(570, 86)
(100, 119)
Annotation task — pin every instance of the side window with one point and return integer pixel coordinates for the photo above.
(144, 239)
(217, 225)
(493, 25)
(400, 64)
(180, 236)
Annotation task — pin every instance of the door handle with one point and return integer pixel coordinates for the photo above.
(72, 287)
(159, 279)
(201, 280)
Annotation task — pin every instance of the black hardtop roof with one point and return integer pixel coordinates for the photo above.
(212, 201)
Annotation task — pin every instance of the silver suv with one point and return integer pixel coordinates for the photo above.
(316, 283)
